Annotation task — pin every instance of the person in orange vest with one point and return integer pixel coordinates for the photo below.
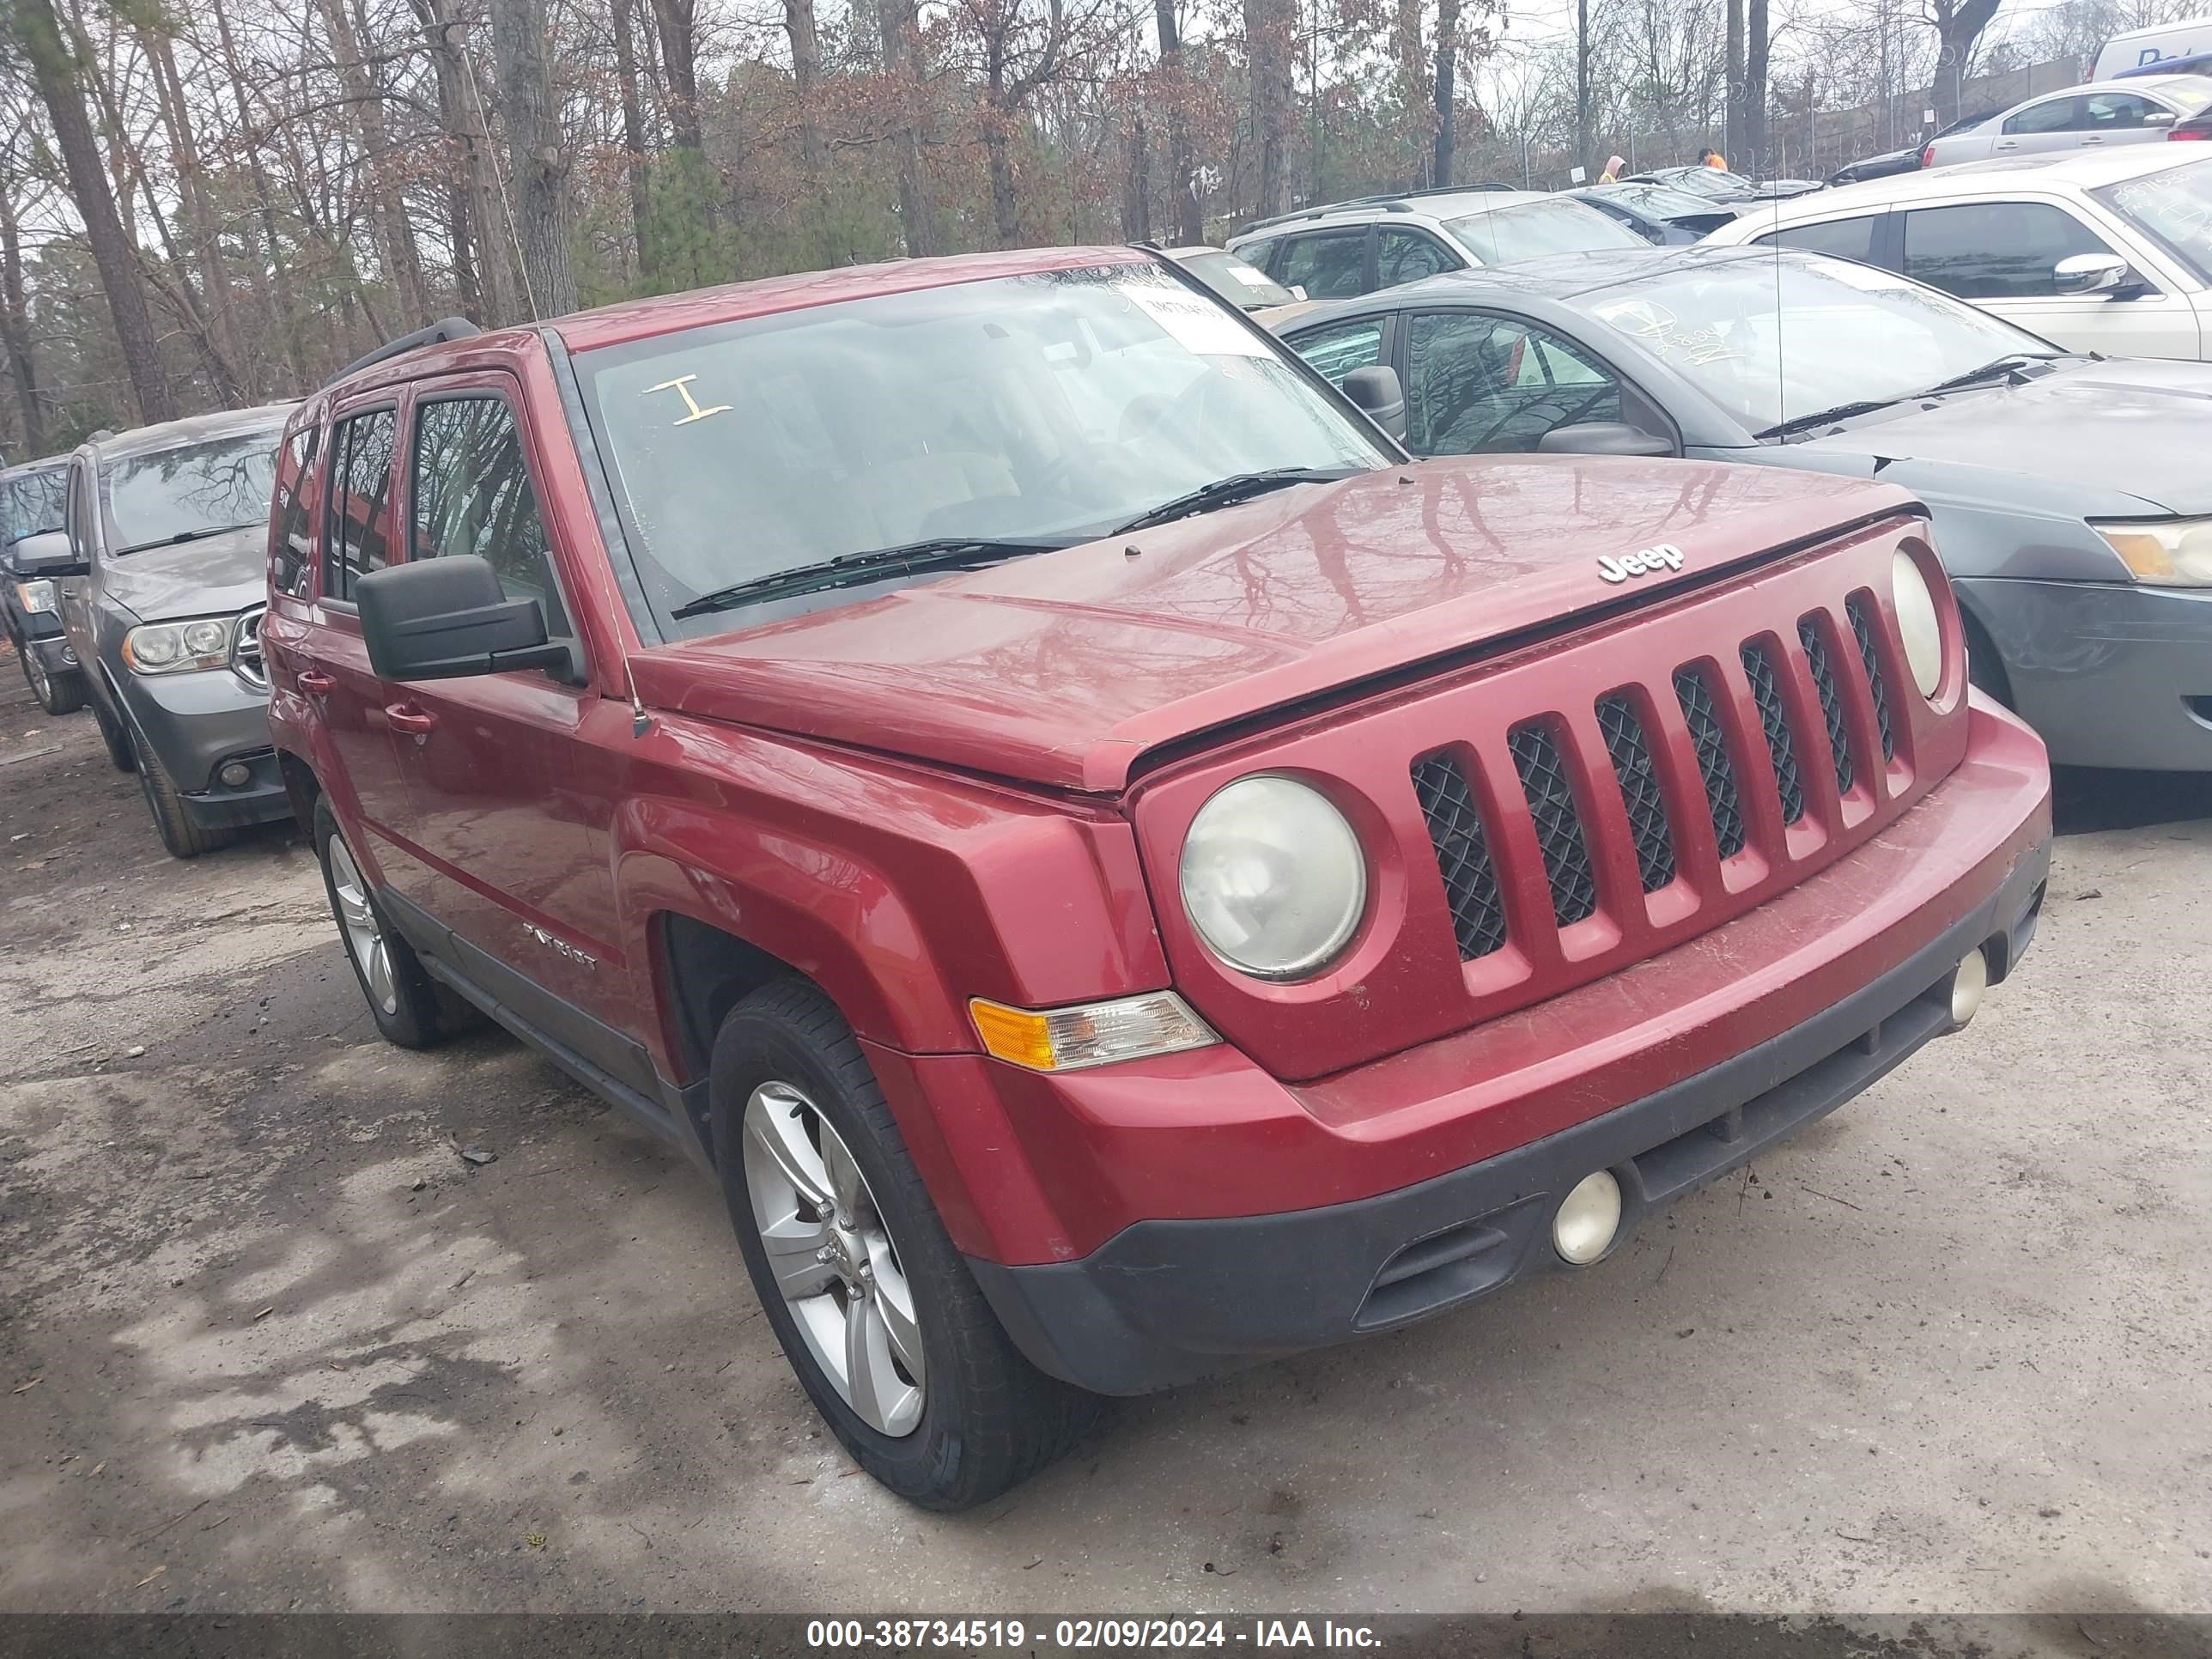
(1712, 158)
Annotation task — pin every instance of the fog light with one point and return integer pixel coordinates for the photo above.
(1588, 1217)
(1970, 983)
(68, 656)
(235, 774)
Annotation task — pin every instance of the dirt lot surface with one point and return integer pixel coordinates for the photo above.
(266, 1342)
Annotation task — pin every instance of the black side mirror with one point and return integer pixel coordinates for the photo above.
(46, 557)
(1604, 438)
(444, 619)
(1375, 390)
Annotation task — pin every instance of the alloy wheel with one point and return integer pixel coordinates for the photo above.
(832, 1258)
(364, 934)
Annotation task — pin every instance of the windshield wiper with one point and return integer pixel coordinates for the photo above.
(1237, 487)
(1823, 417)
(182, 536)
(848, 569)
(2008, 365)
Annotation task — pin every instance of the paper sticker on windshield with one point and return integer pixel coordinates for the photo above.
(1194, 322)
(1244, 273)
(682, 387)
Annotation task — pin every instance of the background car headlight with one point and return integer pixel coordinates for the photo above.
(35, 596)
(2175, 554)
(1917, 624)
(1273, 878)
(179, 648)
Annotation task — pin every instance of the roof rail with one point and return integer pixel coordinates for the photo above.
(445, 328)
(1390, 201)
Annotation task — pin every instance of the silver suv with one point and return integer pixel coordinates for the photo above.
(1380, 241)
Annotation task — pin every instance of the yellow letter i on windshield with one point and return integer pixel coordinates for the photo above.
(682, 387)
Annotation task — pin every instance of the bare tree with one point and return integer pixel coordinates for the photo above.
(1958, 25)
(1173, 81)
(1447, 85)
(54, 69)
(538, 166)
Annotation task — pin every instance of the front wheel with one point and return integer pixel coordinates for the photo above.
(874, 1306)
(184, 836)
(57, 694)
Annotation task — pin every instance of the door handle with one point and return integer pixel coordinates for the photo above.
(315, 680)
(406, 717)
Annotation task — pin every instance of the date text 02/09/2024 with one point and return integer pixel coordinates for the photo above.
(1083, 1634)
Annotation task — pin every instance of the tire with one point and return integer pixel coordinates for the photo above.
(57, 694)
(185, 837)
(984, 1418)
(402, 999)
(121, 754)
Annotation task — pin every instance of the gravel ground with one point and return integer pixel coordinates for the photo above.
(267, 1343)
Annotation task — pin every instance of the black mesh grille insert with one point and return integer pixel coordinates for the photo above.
(1558, 826)
(1462, 855)
(1831, 702)
(1639, 791)
(1710, 737)
(1862, 627)
(1766, 692)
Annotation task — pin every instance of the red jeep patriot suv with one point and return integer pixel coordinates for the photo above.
(1116, 872)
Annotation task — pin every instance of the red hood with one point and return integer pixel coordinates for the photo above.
(1064, 667)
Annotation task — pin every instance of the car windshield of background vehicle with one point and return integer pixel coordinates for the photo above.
(1771, 341)
(1534, 229)
(1660, 201)
(1711, 183)
(198, 489)
(1236, 282)
(2173, 207)
(31, 505)
(1045, 408)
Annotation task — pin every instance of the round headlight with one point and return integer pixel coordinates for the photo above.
(206, 639)
(1916, 624)
(1273, 878)
(156, 647)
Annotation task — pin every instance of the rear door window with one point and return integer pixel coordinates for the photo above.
(293, 554)
(1994, 250)
(1327, 264)
(1846, 238)
(472, 494)
(2052, 115)
(1339, 348)
(358, 536)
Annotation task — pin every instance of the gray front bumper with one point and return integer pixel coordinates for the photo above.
(2108, 673)
(195, 723)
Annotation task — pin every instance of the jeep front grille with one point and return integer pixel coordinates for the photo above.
(1774, 722)
(1462, 855)
(1659, 778)
(1832, 706)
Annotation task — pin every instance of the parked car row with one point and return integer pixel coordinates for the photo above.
(1115, 865)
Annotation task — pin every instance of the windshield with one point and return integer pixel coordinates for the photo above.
(1711, 183)
(1536, 228)
(1660, 201)
(2174, 206)
(1235, 281)
(1772, 340)
(1044, 407)
(31, 503)
(174, 495)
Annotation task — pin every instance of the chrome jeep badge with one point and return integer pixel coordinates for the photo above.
(1665, 557)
